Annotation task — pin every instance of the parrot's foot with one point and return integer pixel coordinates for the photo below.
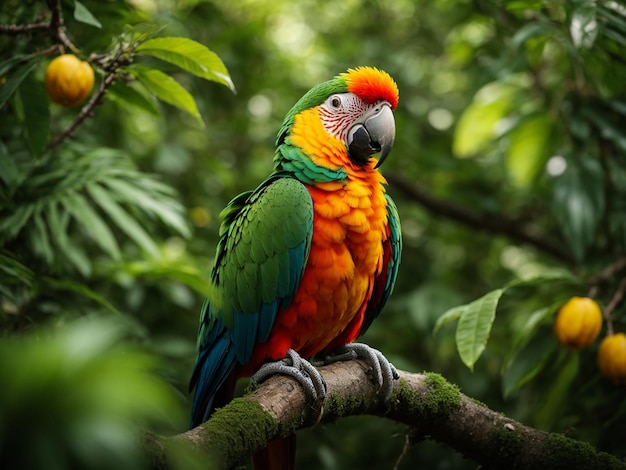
(382, 372)
(299, 369)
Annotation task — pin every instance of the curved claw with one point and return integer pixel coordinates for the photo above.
(383, 372)
(300, 370)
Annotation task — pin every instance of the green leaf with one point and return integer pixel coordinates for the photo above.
(9, 172)
(12, 271)
(35, 111)
(528, 149)
(82, 14)
(579, 202)
(164, 210)
(543, 278)
(92, 223)
(139, 32)
(167, 89)
(121, 218)
(478, 125)
(607, 126)
(554, 400)
(531, 30)
(58, 222)
(11, 62)
(14, 80)
(135, 96)
(529, 350)
(449, 316)
(530, 361)
(584, 26)
(40, 239)
(80, 289)
(13, 224)
(189, 55)
(474, 326)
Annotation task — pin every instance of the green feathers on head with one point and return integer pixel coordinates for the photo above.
(314, 97)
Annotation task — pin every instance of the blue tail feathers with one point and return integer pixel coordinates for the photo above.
(216, 361)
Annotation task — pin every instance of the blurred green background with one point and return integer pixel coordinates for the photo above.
(509, 163)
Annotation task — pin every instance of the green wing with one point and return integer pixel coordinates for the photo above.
(265, 242)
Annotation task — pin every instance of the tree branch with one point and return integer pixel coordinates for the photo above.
(85, 112)
(425, 402)
(486, 222)
(15, 29)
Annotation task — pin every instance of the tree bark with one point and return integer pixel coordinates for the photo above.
(426, 402)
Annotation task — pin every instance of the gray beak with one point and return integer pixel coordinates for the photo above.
(375, 134)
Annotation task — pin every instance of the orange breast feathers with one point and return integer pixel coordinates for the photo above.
(349, 226)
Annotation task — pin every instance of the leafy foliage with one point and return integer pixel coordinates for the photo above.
(94, 422)
(510, 140)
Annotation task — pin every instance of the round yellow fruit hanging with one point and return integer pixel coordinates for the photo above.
(68, 80)
(612, 358)
(578, 323)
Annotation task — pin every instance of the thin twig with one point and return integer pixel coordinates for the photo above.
(609, 272)
(57, 25)
(85, 112)
(618, 296)
(15, 29)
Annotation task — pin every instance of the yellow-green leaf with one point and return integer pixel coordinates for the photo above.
(167, 89)
(474, 327)
(528, 149)
(478, 125)
(189, 55)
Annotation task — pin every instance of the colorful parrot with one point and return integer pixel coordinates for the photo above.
(307, 260)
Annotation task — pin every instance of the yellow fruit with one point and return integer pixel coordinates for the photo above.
(68, 80)
(612, 357)
(578, 323)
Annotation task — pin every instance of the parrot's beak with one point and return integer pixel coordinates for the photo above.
(374, 133)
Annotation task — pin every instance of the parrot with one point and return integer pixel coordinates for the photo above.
(307, 260)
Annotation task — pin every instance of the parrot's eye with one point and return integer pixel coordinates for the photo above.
(335, 102)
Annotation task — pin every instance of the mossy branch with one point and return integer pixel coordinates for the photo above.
(427, 403)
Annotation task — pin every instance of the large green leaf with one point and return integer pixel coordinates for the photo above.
(531, 361)
(11, 225)
(9, 172)
(167, 89)
(579, 202)
(133, 96)
(40, 239)
(11, 62)
(58, 223)
(34, 113)
(478, 125)
(556, 398)
(164, 209)
(449, 316)
(82, 14)
(529, 350)
(528, 148)
(474, 326)
(122, 219)
(82, 289)
(92, 223)
(12, 271)
(189, 55)
(15, 79)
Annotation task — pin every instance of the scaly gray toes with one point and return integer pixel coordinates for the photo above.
(300, 370)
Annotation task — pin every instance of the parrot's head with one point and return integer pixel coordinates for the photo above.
(345, 121)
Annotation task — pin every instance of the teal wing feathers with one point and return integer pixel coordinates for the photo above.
(264, 245)
(384, 283)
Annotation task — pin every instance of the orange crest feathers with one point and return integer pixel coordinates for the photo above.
(371, 85)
